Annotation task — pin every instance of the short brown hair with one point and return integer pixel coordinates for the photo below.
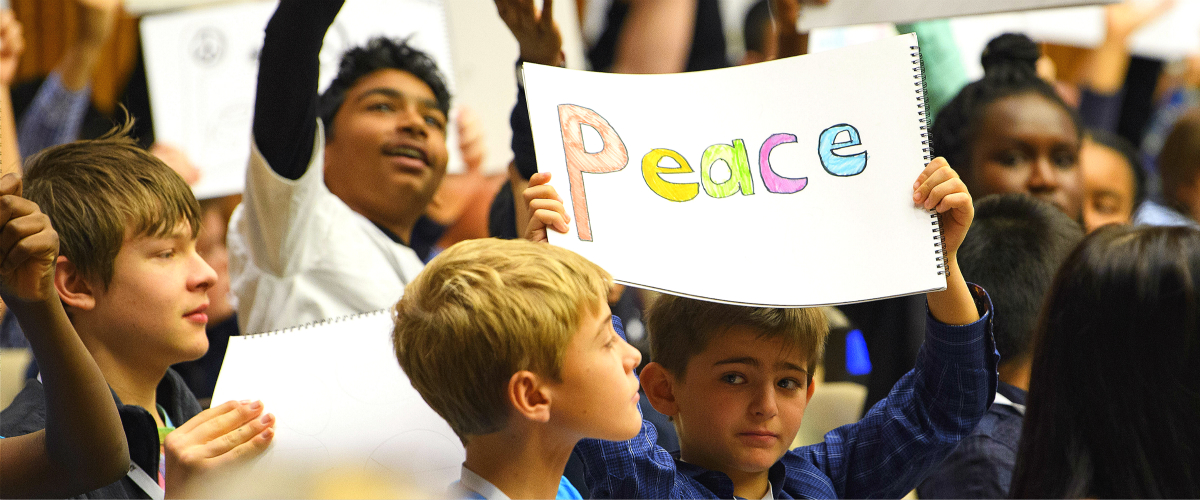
(483, 310)
(98, 192)
(681, 328)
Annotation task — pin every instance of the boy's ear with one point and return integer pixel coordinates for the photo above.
(659, 385)
(812, 385)
(529, 396)
(72, 288)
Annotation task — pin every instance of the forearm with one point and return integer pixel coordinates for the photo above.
(54, 117)
(954, 305)
(656, 37)
(285, 107)
(85, 445)
(10, 156)
(1106, 67)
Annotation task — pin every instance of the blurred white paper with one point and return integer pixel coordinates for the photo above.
(202, 67)
(838, 239)
(850, 12)
(341, 400)
(139, 7)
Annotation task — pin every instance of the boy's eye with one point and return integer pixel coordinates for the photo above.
(733, 379)
(381, 106)
(436, 122)
(790, 384)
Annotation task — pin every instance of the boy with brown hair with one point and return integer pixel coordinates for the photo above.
(736, 380)
(135, 291)
(514, 345)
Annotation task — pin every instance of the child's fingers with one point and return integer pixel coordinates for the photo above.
(248, 449)
(550, 218)
(208, 414)
(547, 12)
(232, 440)
(10, 184)
(226, 422)
(929, 169)
(540, 191)
(551, 205)
(40, 241)
(539, 178)
(943, 190)
(937, 178)
(955, 201)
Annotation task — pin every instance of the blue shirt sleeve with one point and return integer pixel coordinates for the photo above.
(933, 407)
(980, 467)
(54, 117)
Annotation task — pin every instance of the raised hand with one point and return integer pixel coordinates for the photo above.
(545, 209)
(28, 247)
(536, 33)
(939, 188)
(12, 45)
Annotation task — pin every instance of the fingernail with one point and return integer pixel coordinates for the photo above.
(256, 405)
(917, 196)
(268, 433)
(245, 401)
(266, 419)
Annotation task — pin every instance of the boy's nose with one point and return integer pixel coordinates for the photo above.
(203, 276)
(764, 404)
(633, 359)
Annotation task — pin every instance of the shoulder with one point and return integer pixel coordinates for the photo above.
(26, 413)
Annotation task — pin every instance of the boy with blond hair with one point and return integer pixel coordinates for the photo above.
(514, 345)
(736, 380)
(135, 291)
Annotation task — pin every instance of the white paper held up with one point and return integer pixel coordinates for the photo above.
(786, 183)
(341, 401)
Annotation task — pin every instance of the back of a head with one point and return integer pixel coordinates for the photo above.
(1179, 159)
(483, 310)
(1015, 245)
(756, 27)
(1114, 395)
(381, 53)
(681, 328)
(1010, 68)
(99, 192)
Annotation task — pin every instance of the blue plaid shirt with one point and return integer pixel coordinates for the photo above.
(884, 455)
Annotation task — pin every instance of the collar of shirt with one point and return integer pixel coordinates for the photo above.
(720, 484)
(472, 482)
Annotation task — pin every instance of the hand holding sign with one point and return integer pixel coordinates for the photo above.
(545, 209)
(939, 188)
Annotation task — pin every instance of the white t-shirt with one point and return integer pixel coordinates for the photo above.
(298, 253)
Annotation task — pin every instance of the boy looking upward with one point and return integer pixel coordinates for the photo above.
(513, 344)
(330, 204)
(736, 381)
(135, 291)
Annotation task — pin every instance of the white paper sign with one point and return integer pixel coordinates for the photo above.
(341, 400)
(202, 67)
(850, 12)
(792, 183)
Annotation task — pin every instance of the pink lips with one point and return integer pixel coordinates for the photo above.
(198, 315)
(758, 438)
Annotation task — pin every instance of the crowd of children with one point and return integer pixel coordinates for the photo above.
(1062, 359)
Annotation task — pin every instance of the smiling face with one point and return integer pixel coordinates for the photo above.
(387, 154)
(1027, 144)
(740, 402)
(1109, 182)
(154, 310)
(598, 392)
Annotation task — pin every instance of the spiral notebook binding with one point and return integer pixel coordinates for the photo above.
(319, 323)
(922, 90)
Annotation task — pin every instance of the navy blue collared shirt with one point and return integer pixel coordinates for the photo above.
(884, 455)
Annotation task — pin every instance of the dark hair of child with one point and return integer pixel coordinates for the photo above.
(1010, 68)
(1015, 245)
(381, 53)
(1114, 395)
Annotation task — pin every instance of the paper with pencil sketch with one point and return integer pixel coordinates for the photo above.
(341, 401)
(851, 12)
(202, 67)
(785, 183)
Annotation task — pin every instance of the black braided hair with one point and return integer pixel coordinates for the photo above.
(1009, 68)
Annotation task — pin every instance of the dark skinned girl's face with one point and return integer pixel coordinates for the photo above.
(1028, 144)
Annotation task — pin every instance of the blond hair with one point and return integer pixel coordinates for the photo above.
(99, 192)
(681, 328)
(484, 310)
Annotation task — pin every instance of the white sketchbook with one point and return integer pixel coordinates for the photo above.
(784, 183)
(850, 12)
(341, 401)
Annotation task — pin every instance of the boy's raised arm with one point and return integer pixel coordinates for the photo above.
(83, 446)
(938, 187)
(285, 105)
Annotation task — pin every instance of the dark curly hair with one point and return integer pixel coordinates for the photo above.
(381, 53)
(1010, 68)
